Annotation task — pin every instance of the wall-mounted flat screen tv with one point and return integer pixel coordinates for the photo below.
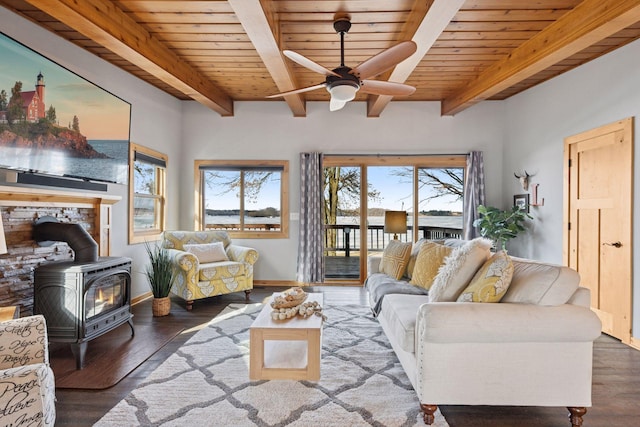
(54, 122)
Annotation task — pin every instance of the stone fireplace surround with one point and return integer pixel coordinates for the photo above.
(20, 207)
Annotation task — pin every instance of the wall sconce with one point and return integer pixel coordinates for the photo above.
(395, 222)
(3, 241)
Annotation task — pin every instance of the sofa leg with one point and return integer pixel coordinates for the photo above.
(428, 413)
(189, 305)
(246, 295)
(575, 415)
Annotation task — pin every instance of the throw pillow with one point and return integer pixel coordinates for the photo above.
(415, 249)
(208, 252)
(395, 258)
(491, 282)
(458, 270)
(429, 260)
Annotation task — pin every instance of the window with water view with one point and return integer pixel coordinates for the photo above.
(245, 198)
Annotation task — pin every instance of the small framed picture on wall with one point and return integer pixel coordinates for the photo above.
(521, 201)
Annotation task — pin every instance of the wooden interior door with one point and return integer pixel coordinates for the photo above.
(598, 215)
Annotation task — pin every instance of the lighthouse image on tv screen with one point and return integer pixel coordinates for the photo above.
(54, 122)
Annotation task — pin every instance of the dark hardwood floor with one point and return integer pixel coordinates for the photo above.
(616, 374)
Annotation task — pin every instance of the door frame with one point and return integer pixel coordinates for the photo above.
(626, 125)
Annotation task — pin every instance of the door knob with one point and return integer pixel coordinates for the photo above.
(614, 244)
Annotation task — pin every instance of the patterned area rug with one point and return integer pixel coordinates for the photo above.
(206, 381)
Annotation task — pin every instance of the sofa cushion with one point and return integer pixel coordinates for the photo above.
(491, 282)
(395, 258)
(220, 270)
(379, 285)
(541, 283)
(415, 249)
(430, 257)
(400, 312)
(208, 252)
(458, 269)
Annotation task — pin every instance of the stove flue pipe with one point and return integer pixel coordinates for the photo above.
(48, 229)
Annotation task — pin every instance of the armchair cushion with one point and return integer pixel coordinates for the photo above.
(221, 270)
(208, 252)
(27, 386)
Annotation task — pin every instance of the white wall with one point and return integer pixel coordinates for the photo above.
(267, 130)
(155, 122)
(537, 121)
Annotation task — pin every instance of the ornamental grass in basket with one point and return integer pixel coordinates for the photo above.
(160, 273)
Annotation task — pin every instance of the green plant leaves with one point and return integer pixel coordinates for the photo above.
(501, 226)
(160, 271)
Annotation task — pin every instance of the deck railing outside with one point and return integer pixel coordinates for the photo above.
(342, 261)
(348, 237)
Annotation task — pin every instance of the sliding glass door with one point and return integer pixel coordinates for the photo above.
(358, 190)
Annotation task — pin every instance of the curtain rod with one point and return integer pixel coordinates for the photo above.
(395, 155)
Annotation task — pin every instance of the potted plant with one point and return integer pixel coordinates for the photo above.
(500, 226)
(160, 273)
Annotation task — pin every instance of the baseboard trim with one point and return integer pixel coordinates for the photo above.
(269, 283)
(140, 298)
(635, 343)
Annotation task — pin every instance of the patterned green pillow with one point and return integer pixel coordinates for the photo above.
(395, 258)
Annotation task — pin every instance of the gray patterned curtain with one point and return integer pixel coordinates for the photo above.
(473, 192)
(311, 245)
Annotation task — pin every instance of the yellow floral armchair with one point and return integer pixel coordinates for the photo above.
(208, 264)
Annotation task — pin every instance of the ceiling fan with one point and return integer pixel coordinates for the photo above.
(343, 82)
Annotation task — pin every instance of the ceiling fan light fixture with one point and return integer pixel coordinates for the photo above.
(336, 105)
(343, 92)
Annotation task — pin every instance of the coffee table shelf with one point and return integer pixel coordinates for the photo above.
(285, 349)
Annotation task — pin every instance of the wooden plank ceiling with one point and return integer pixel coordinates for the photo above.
(218, 51)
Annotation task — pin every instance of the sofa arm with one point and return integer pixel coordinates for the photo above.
(187, 266)
(457, 322)
(242, 254)
(23, 342)
(373, 263)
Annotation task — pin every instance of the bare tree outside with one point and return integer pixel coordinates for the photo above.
(443, 182)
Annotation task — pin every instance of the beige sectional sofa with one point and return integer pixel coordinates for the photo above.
(533, 348)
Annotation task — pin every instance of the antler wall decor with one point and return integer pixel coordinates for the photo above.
(524, 179)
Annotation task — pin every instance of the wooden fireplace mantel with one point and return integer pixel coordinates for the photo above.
(102, 203)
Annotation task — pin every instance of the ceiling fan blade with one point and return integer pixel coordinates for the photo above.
(307, 63)
(335, 105)
(304, 89)
(384, 60)
(378, 87)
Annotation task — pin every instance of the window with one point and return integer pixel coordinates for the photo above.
(247, 198)
(147, 194)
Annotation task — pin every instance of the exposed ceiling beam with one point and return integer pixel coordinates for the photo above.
(589, 22)
(106, 24)
(257, 26)
(435, 21)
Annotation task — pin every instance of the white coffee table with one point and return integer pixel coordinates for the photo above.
(285, 349)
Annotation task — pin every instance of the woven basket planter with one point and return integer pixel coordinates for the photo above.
(161, 306)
